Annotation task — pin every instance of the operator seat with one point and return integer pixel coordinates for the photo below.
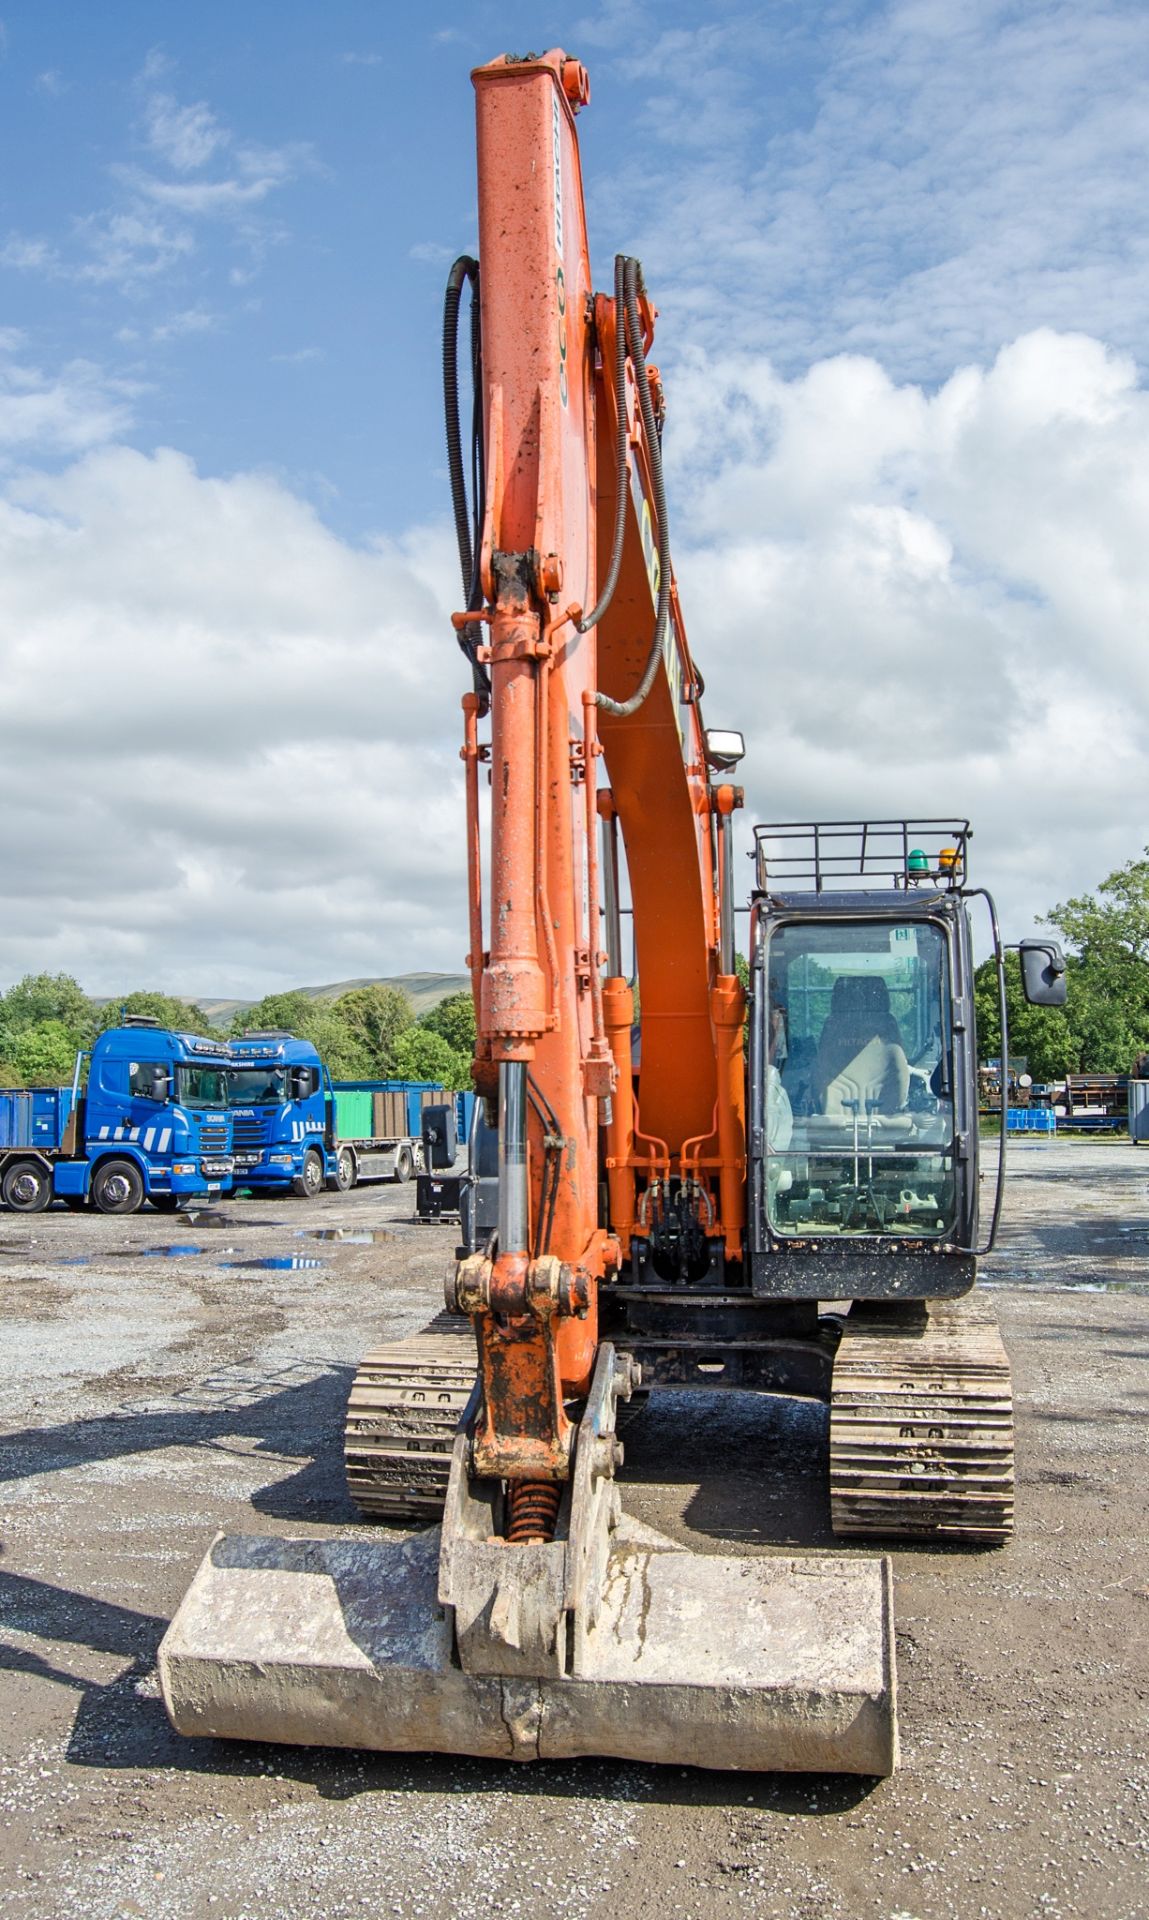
(861, 1065)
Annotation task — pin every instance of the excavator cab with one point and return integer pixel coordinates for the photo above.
(862, 1089)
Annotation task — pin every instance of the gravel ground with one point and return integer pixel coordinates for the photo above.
(162, 1378)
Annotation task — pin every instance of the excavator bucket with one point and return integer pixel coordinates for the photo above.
(610, 1640)
(698, 1660)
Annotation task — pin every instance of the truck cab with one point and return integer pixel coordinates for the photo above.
(281, 1114)
(151, 1123)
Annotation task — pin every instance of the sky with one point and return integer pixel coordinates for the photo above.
(901, 258)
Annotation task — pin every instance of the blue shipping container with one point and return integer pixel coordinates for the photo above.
(34, 1116)
(1032, 1120)
(15, 1118)
(51, 1110)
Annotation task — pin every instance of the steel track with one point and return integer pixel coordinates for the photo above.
(921, 1425)
(406, 1401)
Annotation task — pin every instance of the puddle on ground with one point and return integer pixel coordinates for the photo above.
(347, 1236)
(274, 1263)
(1022, 1284)
(228, 1220)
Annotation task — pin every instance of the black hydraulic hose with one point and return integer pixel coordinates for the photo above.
(633, 285)
(610, 583)
(463, 270)
(468, 523)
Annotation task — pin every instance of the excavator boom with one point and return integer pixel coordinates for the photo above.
(539, 1620)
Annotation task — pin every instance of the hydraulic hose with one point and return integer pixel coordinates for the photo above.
(468, 520)
(632, 287)
(610, 583)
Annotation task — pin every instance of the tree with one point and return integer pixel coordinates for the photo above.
(49, 996)
(283, 1012)
(422, 1055)
(1105, 1021)
(454, 1019)
(44, 1020)
(1043, 1036)
(1109, 974)
(1115, 930)
(182, 1016)
(45, 1055)
(342, 1052)
(374, 1018)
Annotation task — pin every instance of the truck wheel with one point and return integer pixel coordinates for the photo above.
(118, 1187)
(344, 1177)
(310, 1182)
(26, 1187)
(404, 1165)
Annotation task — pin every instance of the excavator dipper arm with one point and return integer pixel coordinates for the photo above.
(540, 1620)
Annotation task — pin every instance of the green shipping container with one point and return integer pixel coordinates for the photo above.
(353, 1116)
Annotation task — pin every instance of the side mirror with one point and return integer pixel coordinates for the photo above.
(299, 1083)
(1043, 980)
(161, 1083)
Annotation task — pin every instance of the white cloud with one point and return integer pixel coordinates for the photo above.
(189, 321)
(916, 602)
(65, 413)
(431, 253)
(123, 249)
(28, 255)
(186, 137)
(912, 181)
(200, 172)
(230, 736)
(210, 198)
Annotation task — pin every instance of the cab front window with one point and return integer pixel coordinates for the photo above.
(859, 1128)
(201, 1087)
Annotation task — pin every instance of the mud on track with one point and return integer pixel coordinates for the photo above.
(158, 1381)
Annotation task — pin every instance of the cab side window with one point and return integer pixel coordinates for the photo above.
(141, 1079)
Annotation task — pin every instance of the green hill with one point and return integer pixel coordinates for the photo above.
(424, 990)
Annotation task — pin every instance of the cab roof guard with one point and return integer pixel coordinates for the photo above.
(848, 856)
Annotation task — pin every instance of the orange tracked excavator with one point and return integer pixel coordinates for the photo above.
(643, 1240)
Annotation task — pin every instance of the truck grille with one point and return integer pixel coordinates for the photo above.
(249, 1131)
(213, 1139)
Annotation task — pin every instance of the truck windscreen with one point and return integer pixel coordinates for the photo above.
(859, 1080)
(258, 1087)
(201, 1086)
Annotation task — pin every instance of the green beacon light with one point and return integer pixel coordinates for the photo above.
(917, 862)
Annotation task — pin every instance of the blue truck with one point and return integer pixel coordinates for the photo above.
(150, 1123)
(294, 1128)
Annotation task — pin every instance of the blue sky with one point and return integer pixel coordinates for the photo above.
(901, 254)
